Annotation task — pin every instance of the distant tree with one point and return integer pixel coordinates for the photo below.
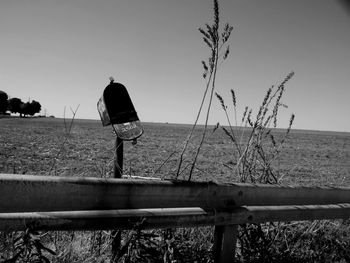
(3, 102)
(35, 107)
(14, 105)
(30, 108)
(24, 109)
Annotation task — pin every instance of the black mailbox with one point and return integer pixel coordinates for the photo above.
(115, 108)
(115, 105)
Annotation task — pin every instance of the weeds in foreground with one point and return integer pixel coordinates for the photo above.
(216, 42)
(318, 241)
(253, 158)
(28, 247)
(180, 245)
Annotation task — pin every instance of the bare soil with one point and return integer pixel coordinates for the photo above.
(43, 146)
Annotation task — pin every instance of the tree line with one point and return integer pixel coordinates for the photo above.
(16, 105)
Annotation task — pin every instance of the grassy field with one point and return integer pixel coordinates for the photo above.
(43, 146)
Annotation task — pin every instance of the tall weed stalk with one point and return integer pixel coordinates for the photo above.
(216, 42)
(67, 132)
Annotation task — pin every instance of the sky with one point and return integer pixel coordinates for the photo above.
(62, 53)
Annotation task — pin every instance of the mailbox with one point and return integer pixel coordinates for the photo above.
(115, 108)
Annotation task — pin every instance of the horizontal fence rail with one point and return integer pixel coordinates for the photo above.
(26, 193)
(166, 217)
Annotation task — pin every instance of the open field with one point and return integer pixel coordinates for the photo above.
(41, 146)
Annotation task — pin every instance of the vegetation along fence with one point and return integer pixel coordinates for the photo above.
(61, 203)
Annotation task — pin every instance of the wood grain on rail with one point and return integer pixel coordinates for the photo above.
(27, 193)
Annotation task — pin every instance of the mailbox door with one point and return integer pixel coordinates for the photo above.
(128, 131)
(101, 107)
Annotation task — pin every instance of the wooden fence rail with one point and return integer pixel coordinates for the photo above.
(25, 193)
(60, 203)
(167, 217)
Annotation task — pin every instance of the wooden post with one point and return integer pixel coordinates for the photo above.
(118, 160)
(225, 241)
(118, 173)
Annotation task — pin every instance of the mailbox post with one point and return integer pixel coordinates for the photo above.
(118, 160)
(115, 108)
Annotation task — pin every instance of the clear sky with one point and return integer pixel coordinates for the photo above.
(62, 52)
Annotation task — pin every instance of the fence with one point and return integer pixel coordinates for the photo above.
(60, 203)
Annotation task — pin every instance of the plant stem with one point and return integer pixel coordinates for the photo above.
(208, 112)
(193, 127)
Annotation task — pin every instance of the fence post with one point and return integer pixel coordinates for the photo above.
(118, 173)
(225, 241)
